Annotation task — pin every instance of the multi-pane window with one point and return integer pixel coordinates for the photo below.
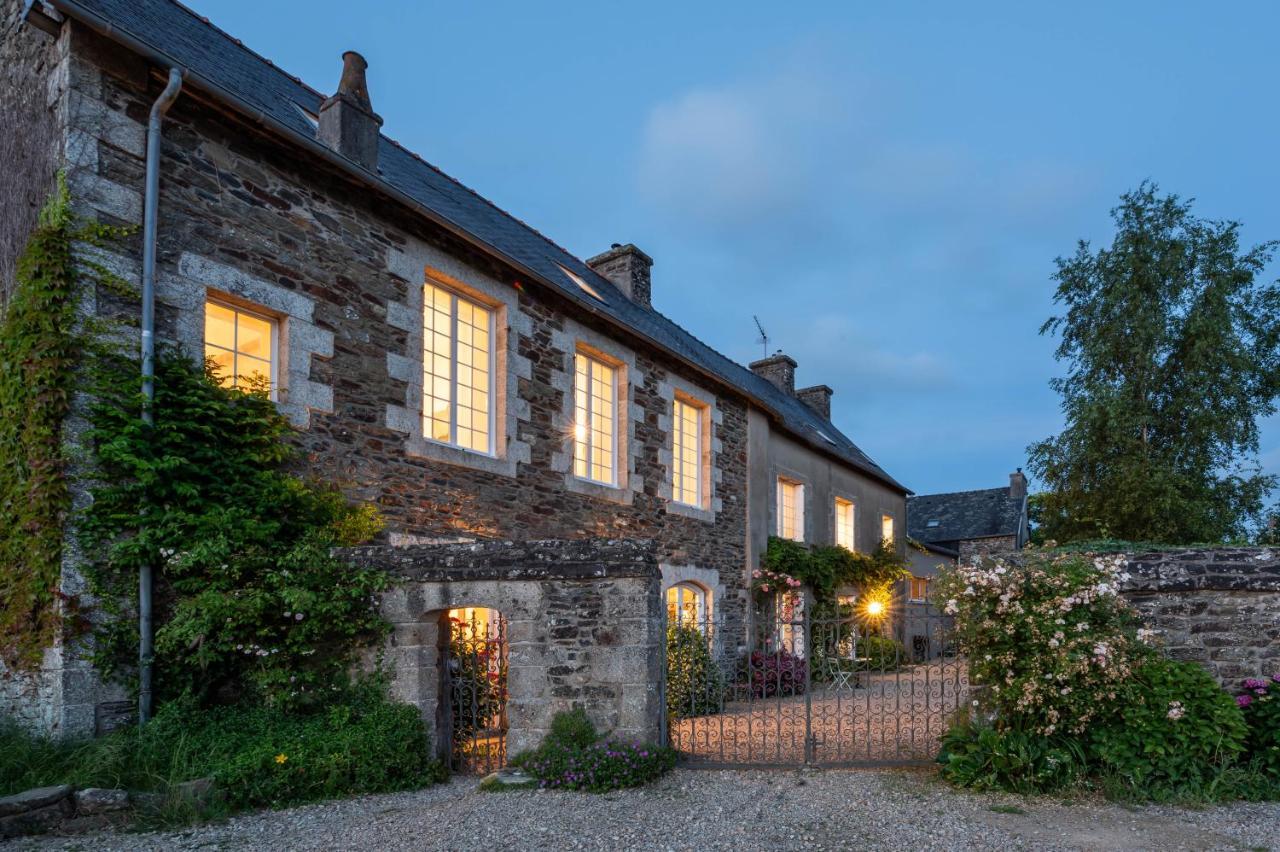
(687, 605)
(457, 370)
(790, 510)
(886, 528)
(686, 453)
(844, 523)
(242, 346)
(595, 438)
(919, 589)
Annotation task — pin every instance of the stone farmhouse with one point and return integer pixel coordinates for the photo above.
(547, 447)
(972, 523)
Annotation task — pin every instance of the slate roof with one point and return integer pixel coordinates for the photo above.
(964, 515)
(221, 65)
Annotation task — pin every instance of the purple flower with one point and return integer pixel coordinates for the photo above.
(1276, 677)
(1254, 683)
(1244, 700)
(1262, 691)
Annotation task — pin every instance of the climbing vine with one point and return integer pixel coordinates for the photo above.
(40, 342)
(825, 569)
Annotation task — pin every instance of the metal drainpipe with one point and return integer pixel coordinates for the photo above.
(151, 205)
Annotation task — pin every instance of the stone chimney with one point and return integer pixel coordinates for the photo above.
(627, 268)
(348, 123)
(818, 398)
(1017, 484)
(779, 369)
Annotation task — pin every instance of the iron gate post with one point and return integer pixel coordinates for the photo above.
(807, 649)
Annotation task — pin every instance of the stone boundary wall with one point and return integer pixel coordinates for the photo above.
(584, 628)
(1218, 607)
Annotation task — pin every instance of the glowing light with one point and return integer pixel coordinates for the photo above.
(875, 609)
(580, 432)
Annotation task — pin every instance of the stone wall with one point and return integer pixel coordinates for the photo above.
(1218, 607)
(970, 548)
(584, 628)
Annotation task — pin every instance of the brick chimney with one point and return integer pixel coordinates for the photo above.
(818, 398)
(627, 268)
(779, 369)
(348, 123)
(1017, 484)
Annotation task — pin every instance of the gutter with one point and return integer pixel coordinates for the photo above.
(150, 220)
(106, 28)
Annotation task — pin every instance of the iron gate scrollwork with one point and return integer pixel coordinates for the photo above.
(475, 682)
(843, 685)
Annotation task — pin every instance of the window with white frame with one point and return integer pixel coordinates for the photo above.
(687, 605)
(242, 345)
(886, 528)
(595, 433)
(790, 509)
(844, 523)
(457, 370)
(687, 469)
(919, 592)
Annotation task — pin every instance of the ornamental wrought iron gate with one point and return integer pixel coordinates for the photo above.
(475, 683)
(870, 683)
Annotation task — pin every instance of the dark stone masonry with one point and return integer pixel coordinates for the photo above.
(1219, 607)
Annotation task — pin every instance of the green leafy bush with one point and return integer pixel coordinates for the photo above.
(258, 756)
(249, 599)
(572, 757)
(1175, 731)
(983, 757)
(880, 653)
(1259, 699)
(695, 685)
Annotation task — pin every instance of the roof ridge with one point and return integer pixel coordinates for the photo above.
(958, 493)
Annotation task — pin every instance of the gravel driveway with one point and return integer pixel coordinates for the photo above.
(737, 810)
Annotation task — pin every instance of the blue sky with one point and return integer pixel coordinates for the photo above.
(886, 185)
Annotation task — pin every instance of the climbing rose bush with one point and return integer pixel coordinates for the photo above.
(1049, 636)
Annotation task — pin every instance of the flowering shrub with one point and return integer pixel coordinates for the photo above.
(1260, 701)
(1174, 732)
(770, 673)
(572, 758)
(1051, 637)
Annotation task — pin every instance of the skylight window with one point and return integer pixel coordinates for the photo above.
(933, 522)
(309, 116)
(583, 285)
(824, 436)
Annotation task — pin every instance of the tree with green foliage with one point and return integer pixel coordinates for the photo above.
(1173, 349)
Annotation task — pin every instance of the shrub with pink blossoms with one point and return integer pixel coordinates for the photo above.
(1259, 699)
(1049, 636)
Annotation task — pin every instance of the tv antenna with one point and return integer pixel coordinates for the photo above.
(764, 335)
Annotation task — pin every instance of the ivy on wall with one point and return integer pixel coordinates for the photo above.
(40, 342)
(827, 568)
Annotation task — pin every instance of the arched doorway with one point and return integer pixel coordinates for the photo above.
(474, 665)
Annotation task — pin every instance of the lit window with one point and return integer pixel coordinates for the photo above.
(844, 523)
(457, 370)
(886, 528)
(790, 510)
(686, 453)
(687, 605)
(919, 589)
(595, 440)
(242, 346)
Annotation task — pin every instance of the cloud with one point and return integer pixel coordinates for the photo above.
(747, 154)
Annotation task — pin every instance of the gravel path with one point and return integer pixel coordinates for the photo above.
(737, 810)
